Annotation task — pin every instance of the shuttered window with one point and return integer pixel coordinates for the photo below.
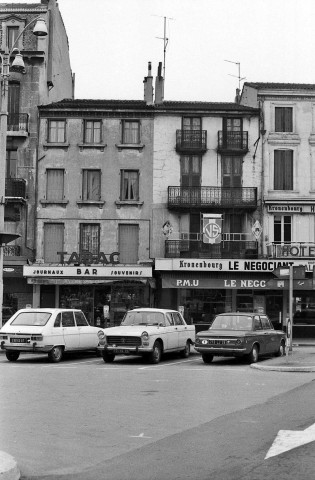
(55, 184)
(91, 185)
(128, 243)
(53, 241)
(283, 119)
(283, 170)
(90, 238)
(190, 170)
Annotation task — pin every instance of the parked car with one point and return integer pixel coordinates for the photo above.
(48, 330)
(7, 313)
(240, 334)
(148, 332)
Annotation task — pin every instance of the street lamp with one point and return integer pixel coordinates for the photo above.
(40, 30)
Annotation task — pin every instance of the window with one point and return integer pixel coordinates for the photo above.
(58, 321)
(80, 319)
(190, 171)
(283, 119)
(92, 131)
(91, 185)
(232, 171)
(12, 34)
(129, 189)
(68, 319)
(55, 184)
(191, 123)
(90, 238)
(282, 232)
(11, 164)
(53, 242)
(56, 131)
(265, 323)
(232, 124)
(128, 244)
(283, 170)
(131, 131)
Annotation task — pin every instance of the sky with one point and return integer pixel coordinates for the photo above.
(112, 41)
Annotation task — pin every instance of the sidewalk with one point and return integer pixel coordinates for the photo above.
(300, 359)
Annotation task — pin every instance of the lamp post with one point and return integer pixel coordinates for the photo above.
(40, 30)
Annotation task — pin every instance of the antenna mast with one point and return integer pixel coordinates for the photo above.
(239, 73)
(165, 42)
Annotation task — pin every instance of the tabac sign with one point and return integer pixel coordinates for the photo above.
(212, 228)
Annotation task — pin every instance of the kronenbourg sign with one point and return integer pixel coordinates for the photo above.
(211, 228)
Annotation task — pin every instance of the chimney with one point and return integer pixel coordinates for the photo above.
(148, 87)
(159, 86)
(238, 96)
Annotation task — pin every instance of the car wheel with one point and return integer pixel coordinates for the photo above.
(254, 354)
(56, 354)
(185, 353)
(108, 357)
(12, 356)
(281, 351)
(207, 358)
(156, 354)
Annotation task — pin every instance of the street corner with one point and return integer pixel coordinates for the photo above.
(8, 467)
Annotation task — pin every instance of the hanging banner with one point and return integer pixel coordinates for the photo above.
(211, 228)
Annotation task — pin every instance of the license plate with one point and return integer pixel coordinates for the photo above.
(19, 340)
(217, 342)
(121, 350)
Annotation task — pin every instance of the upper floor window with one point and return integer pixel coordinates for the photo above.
(55, 184)
(91, 185)
(282, 232)
(90, 238)
(190, 170)
(53, 242)
(283, 170)
(129, 189)
(131, 131)
(12, 34)
(191, 123)
(92, 131)
(56, 131)
(232, 124)
(283, 119)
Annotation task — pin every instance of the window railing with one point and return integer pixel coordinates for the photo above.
(15, 187)
(219, 197)
(198, 249)
(12, 251)
(17, 122)
(237, 141)
(191, 140)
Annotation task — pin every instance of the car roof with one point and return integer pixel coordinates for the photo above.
(161, 310)
(241, 313)
(48, 310)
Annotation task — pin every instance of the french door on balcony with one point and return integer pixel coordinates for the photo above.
(192, 132)
(231, 179)
(191, 179)
(232, 133)
(13, 106)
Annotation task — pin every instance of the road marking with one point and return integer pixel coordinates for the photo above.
(142, 435)
(289, 439)
(164, 364)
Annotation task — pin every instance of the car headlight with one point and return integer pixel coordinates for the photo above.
(145, 338)
(101, 337)
(197, 340)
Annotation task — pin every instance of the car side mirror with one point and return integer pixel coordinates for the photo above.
(161, 324)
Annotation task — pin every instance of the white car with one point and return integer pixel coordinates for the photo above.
(48, 330)
(148, 332)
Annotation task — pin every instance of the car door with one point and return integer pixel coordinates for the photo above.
(70, 331)
(271, 338)
(171, 332)
(260, 334)
(88, 334)
(181, 328)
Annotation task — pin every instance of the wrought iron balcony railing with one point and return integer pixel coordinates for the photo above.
(15, 187)
(292, 250)
(210, 197)
(232, 141)
(198, 249)
(191, 140)
(12, 251)
(17, 122)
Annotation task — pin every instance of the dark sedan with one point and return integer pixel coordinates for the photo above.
(240, 334)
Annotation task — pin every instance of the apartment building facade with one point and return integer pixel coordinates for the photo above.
(47, 77)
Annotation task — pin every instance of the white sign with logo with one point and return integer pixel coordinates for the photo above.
(211, 228)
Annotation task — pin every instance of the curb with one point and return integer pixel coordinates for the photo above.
(8, 467)
(283, 368)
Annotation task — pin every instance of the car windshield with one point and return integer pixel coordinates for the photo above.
(143, 318)
(32, 319)
(232, 322)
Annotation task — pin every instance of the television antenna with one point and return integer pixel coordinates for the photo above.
(239, 73)
(165, 41)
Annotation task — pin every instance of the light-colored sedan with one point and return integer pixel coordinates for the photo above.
(148, 332)
(48, 330)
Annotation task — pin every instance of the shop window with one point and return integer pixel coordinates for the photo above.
(90, 238)
(283, 170)
(55, 184)
(130, 131)
(91, 185)
(283, 119)
(53, 242)
(92, 131)
(56, 131)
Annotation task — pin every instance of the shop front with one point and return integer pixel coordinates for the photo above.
(103, 293)
(201, 289)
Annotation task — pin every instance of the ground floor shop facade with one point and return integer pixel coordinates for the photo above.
(104, 294)
(203, 288)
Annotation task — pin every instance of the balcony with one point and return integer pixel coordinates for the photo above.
(12, 251)
(193, 141)
(291, 250)
(17, 124)
(185, 198)
(198, 249)
(232, 142)
(15, 189)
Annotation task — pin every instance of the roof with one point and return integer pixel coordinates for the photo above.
(100, 104)
(281, 86)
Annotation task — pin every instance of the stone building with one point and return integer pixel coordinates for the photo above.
(47, 77)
